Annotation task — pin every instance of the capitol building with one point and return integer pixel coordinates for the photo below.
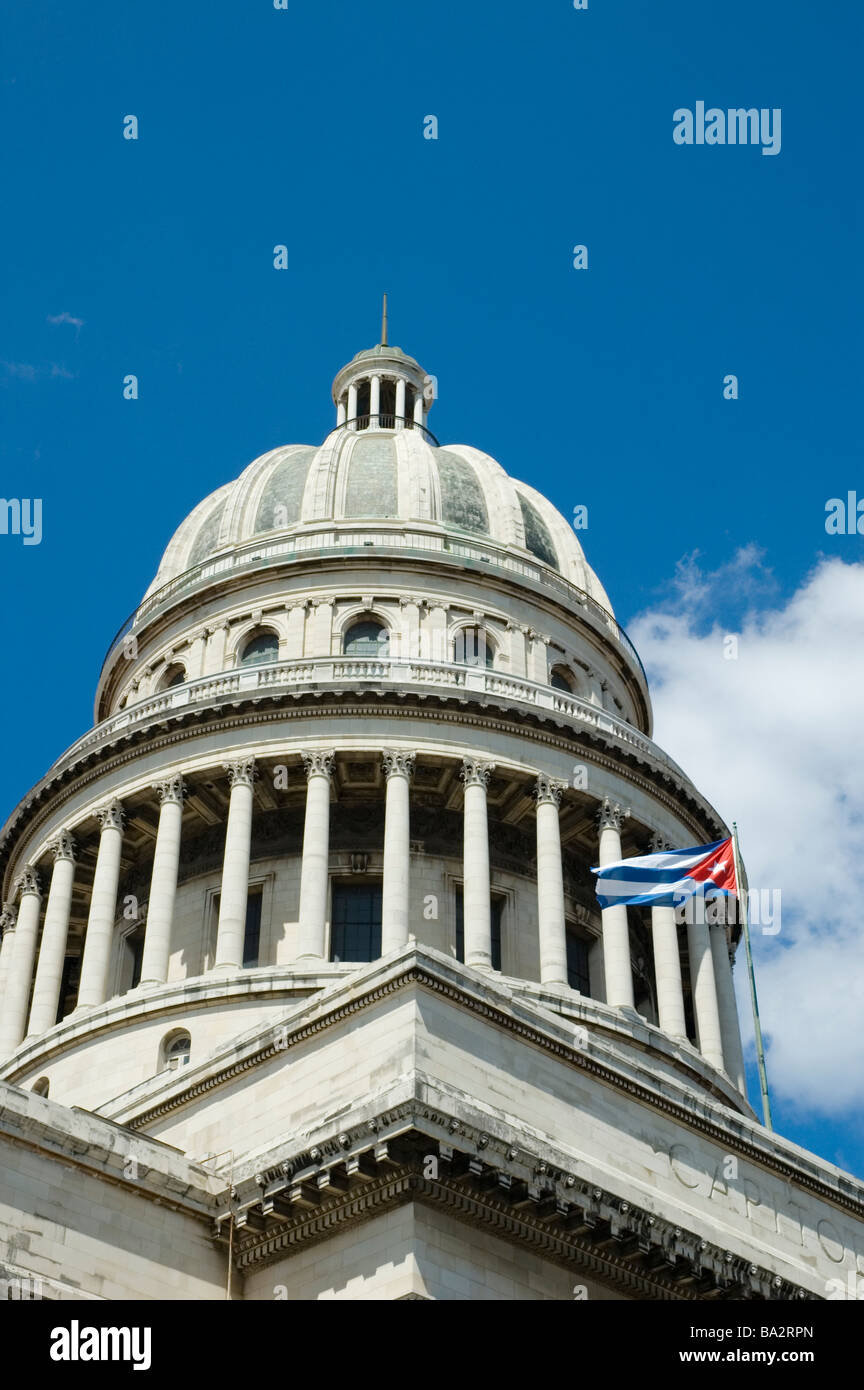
(305, 992)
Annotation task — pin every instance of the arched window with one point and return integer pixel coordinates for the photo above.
(40, 1087)
(471, 647)
(366, 638)
(176, 1050)
(561, 679)
(262, 646)
(171, 676)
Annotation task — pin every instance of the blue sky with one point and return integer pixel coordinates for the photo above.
(602, 387)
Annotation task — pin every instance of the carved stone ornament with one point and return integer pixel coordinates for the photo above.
(548, 790)
(241, 772)
(173, 790)
(63, 847)
(610, 815)
(659, 844)
(319, 764)
(111, 816)
(398, 764)
(27, 882)
(8, 919)
(475, 773)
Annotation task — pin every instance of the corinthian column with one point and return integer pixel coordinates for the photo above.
(703, 984)
(667, 962)
(93, 988)
(55, 929)
(163, 883)
(730, 1032)
(8, 919)
(476, 893)
(550, 883)
(616, 935)
(231, 932)
(316, 853)
(13, 1014)
(398, 769)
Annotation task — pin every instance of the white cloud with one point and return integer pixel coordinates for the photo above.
(774, 740)
(77, 324)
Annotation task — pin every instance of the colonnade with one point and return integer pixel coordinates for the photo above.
(710, 970)
(348, 415)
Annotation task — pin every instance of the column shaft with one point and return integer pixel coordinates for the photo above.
(231, 932)
(374, 401)
(7, 946)
(352, 404)
(667, 972)
(163, 884)
(476, 892)
(703, 985)
(93, 988)
(617, 969)
(52, 951)
(396, 887)
(13, 1015)
(730, 1030)
(314, 877)
(550, 884)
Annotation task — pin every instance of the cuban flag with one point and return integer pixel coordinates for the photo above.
(669, 878)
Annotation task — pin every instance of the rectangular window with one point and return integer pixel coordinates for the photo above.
(68, 987)
(252, 937)
(577, 963)
(252, 934)
(135, 946)
(496, 903)
(356, 922)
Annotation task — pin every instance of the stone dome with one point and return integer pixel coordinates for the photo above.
(379, 473)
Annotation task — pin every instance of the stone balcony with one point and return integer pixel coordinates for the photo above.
(371, 674)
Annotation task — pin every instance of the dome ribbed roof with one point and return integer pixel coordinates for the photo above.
(393, 479)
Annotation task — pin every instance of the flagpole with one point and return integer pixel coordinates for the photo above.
(757, 1026)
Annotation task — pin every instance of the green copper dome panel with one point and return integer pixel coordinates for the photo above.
(208, 535)
(372, 488)
(282, 497)
(462, 500)
(537, 538)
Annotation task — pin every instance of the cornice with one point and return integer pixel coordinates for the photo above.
(488, 1183)
(415, 973)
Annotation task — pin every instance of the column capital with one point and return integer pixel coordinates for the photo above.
(548, 790)
(111, 816)
(172, 790)
(397, 764)
(610, 815)
(8, 919)
(475, 773)
(28, 882)
(659, 844)
(63, 847)
(319, 764)
(241, 772)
